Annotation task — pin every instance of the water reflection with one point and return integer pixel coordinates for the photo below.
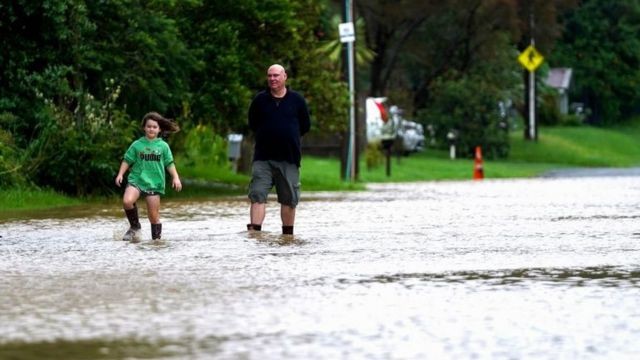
(588, 276)
(275, 239)
(544, 268)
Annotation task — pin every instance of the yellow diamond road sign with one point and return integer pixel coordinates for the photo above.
(530, 58)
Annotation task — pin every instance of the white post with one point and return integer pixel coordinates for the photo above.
(532, 81)
(532, 105)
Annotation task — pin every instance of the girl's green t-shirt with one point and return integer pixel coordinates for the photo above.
(147, 161)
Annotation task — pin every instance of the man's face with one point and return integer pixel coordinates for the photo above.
(276, 78)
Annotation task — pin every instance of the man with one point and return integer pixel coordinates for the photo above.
(278, 117)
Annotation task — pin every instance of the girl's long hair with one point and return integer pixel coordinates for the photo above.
(167, 126)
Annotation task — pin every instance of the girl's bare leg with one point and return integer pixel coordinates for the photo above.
(131, 195)
(153, 211)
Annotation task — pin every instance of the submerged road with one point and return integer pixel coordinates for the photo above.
(545, 268)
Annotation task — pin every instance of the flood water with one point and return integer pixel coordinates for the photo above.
(543, 268)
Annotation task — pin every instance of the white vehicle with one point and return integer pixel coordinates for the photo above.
(380, 124)
(387, 123)
(412, 135)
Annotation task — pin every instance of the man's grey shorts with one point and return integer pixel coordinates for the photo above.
(285, 177)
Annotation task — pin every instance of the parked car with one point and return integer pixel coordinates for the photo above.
(412, 135)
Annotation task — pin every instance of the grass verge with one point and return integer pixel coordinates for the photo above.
(30, 199)
(557, 147)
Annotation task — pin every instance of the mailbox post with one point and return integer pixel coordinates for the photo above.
(233, 149)
(387, 144)
(452, 135)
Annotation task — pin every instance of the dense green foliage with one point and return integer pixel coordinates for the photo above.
(468, 103)
(77, 76)
(602, 43)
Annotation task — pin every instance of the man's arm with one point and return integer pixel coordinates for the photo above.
(305, 120)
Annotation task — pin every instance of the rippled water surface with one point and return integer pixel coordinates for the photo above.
(519, 269)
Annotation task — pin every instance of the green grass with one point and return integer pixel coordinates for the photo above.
(557, 147)
(30, 199)
(208, 180)
(435, 165)
(580, 146)
(324, 174)
(211, 173)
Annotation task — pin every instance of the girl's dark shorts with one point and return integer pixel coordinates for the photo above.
(285, 177)
(145, 193)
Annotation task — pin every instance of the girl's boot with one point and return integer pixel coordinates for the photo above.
(156, 231)
(134, 224)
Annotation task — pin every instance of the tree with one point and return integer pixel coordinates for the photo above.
(469, 103)
(428, 52)
(67, 67)
(41, 43)
(332, 47)
(602, 45)
(139, 45)
(542, 21)
(76, 76)
(236, 40)
(457, 38)
(389, 25)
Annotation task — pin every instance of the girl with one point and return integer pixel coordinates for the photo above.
(148, 157)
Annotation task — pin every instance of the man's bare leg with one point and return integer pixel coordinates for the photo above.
(288, 216)
(256, 213)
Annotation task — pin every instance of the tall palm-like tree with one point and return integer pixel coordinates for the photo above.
(332, 48)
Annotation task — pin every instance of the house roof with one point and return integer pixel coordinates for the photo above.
(559, 78)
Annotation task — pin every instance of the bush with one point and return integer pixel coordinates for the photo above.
(11, 173)
(571, 120)
(548, 113)
(79, 152)
(373, 155)
(470, 107)
(203, 147)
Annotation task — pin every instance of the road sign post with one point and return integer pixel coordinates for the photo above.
(530, 58)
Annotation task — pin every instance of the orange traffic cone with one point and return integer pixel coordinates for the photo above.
(478, 172)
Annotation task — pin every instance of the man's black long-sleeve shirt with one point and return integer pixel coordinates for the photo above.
(278, 125)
